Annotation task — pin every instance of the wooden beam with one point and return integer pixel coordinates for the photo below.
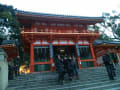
(54, 33)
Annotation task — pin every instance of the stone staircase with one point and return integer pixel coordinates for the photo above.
(90, 79)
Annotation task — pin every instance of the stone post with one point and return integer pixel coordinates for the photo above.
(3, 70)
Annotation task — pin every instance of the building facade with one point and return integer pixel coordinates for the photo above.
(46, 35)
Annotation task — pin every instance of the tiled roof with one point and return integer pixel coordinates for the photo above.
(100, 42)
(9, 42)
(55, 15)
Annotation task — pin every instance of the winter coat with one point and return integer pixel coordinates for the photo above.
(68, 65)
(106, 59)
(59, 66)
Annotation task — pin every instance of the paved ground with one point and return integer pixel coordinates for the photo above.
(90, 79)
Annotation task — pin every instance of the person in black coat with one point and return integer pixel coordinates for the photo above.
(68, 66)
(108, 64)
(59, 68)
(115, 58)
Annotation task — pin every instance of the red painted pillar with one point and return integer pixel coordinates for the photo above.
(31, 58)
(78, 55)
(93, 54)
(51, 65)
(51, 57)
(79, 62)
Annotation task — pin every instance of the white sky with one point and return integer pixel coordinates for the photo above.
(67, 7)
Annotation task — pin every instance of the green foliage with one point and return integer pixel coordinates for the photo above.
(9, 25)
(111, 23)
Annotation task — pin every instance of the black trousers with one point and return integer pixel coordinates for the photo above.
(10, 75)
(70, 73)
(110, 71)
(60, 76)
(114, 70)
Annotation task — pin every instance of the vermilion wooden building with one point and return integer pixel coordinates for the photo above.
(101, 46)
(10, 48)
(46, 35)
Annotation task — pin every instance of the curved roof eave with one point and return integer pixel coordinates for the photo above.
(104, 42)
(35, 15)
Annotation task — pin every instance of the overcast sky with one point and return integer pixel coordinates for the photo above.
(66, 7)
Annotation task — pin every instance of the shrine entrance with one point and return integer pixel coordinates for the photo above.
(65, 51)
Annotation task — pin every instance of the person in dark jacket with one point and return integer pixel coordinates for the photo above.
(115, 58)
(10, 72)
(68, 67)
(59, 68)
(75, 67)
(108, 64)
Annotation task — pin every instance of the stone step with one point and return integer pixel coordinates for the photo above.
(54, 84)
(55, 77)
(41, 76)
(54, 81)
(87, 85)
(71, 86)
(111, 85)
(49, 74)
(26, 79)
(114, 88)
(90, 79)
(52, 73)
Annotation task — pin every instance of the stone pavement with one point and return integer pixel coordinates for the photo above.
(90, 79)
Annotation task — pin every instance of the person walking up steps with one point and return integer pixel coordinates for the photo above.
(108, 64)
